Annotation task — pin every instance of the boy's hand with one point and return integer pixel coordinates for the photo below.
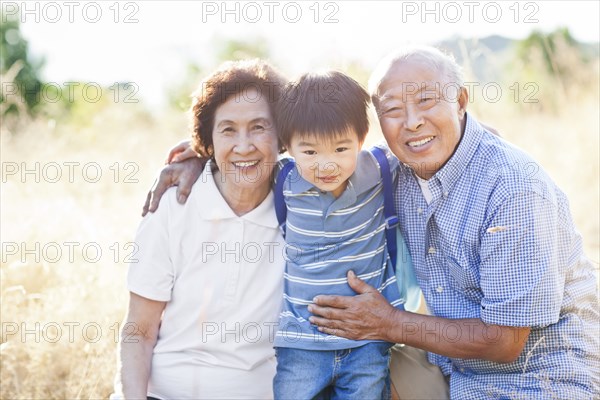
(183, 175)
(182, 151)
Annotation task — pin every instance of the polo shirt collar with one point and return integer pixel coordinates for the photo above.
(214, 206)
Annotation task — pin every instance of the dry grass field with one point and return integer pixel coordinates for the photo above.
(66, 239)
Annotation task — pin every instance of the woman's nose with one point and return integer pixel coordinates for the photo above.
(244, 145)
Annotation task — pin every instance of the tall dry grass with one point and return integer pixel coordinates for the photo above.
(53, 295)
(48, 298)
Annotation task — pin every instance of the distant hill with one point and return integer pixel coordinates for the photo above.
(485, 58)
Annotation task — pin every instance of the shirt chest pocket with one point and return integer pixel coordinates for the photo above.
(463, 275)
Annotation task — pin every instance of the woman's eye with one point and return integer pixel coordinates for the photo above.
(227, 130)
(258, 128)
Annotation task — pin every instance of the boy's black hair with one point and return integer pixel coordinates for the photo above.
(322, 105)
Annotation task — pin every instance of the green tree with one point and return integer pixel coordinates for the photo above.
(233, 50)
(560, 68)
(556, 54)
(227, 50)
(21, 84)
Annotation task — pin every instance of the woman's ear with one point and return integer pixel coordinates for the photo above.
(282, 148)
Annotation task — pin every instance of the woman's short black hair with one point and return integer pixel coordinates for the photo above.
(230, 79)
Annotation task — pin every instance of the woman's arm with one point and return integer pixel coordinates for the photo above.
(138, 337)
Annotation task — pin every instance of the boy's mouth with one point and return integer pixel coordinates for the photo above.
(329, 179)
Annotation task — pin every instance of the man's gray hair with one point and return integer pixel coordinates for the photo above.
(444, 63)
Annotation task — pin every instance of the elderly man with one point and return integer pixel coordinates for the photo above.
(513, 299)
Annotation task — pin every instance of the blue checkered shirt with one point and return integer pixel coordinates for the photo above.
(497, 243)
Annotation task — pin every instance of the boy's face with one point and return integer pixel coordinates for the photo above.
(327, 164)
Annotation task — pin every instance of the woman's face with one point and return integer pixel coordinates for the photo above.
(245, 142)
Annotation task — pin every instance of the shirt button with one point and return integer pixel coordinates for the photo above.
(431, 250)
(419, 210)
(439, 289)
(445, 194)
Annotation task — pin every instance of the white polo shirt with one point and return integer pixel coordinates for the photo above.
(222, 278)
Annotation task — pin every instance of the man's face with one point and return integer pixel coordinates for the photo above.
(420, 113)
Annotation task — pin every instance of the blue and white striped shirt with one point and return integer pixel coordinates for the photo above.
(497, 243)
(326, 237)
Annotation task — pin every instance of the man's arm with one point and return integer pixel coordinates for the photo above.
(369, 316)
(138, 338)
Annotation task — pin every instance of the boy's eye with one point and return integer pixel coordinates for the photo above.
(309, 152)
(340, 149)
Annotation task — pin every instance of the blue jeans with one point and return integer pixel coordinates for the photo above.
(359, 373)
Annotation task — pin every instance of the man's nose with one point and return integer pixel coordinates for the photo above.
(414, 117)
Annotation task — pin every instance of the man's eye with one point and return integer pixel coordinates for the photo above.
(392, 110)
(429, 100)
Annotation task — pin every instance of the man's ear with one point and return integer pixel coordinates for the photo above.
(463, 100)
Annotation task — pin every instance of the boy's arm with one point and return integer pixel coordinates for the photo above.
(182, 151)
(183, 169)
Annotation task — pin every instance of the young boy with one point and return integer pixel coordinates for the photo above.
(335, 223)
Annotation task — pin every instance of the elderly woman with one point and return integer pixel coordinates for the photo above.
(206, 289)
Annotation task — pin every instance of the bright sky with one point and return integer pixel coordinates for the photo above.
(162, 37)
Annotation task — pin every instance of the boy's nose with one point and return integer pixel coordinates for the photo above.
(328, 168)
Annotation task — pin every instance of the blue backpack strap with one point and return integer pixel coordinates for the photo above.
(280, 207)
(391, 219)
